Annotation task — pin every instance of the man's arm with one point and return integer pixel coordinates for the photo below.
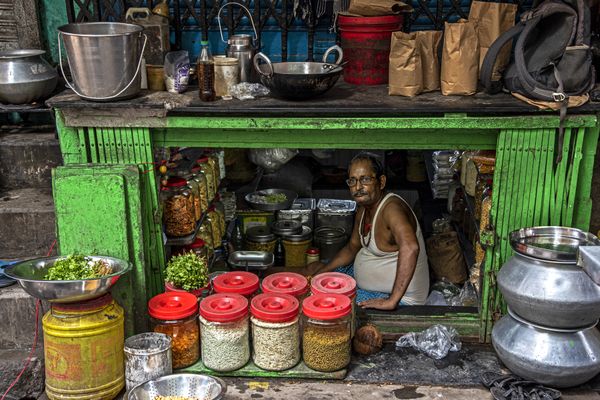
(404, 235)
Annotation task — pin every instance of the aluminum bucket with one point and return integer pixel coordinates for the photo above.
(104, 58)
(147, 356)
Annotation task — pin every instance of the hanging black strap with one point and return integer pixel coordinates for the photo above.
(487, 67)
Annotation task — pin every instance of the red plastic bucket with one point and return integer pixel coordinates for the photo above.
(366, 45)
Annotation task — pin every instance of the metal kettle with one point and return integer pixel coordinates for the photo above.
(242, 47)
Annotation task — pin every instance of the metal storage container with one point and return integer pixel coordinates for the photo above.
(336, 213)
(302, 210)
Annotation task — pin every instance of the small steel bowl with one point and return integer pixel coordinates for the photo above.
(201, 387)
(284, 205)
(30, 275)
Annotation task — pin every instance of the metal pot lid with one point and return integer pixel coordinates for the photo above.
(260, 234)
(335, 206)
(551, 243)
(304, 234)
(547, 328)
(330, 232)
(286, 227)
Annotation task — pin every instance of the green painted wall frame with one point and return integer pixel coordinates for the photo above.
(530, 188)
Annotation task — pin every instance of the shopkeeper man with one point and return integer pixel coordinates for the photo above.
(386, 252)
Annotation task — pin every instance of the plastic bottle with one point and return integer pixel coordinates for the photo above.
(206, 74)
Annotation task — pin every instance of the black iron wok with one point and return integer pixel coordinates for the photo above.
(299, 80)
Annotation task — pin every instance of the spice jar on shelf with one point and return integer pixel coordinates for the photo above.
(176, 315)
(289, 283)
(178, 207)
(215, 225)
(326, 332)
(214, 163)
(312, 255)
(200, 180)
(210, 177)
(260, 238)
(336, 283)
(295, 247)
(205, 233)
(195, 192)
(275, 331)
(224, 332)
(236, 282)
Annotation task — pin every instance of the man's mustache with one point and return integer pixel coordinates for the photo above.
(359, 193)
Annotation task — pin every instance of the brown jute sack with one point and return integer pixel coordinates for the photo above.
(492, 20)
(428, 43)
(446, 258)
(460, 59)
(405, 70)
(375, 8)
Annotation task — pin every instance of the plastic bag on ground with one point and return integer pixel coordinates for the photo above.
(436, 341)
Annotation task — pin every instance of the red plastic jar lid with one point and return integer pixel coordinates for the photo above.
(244, 283)
(326, 306)
(223, 307)
(335, 283)
(176, 181)
(272, 307)
(313, 251)
(202, 160)
(172, 305)
(285, 283)
(196, 244)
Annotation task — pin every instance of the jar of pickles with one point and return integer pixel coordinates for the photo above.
(200, 180)
(289, 283)
(224, 331)
(275, 331)
(326, 335)
(205, 233)
(260, 238)
(336, 283)
(242, 282)
(195, 193)
(295, 247)
(178, 207)
(213, 161)
(209, 173)
(215, 224)
(176, 315)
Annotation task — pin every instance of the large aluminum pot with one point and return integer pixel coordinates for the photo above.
(554, 357)
(299, 80)
(542, 282)
(25, 76)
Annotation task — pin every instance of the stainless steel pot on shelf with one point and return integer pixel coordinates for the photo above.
(554, 357)
(25, 76)
(542, 282)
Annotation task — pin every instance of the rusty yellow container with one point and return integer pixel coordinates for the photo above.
(83, 349)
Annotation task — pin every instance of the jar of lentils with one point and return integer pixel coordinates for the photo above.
(176, 315)
(326, 332)
(210, 177)
(289, 283)
(275, 331)
(195, 190)
(178, 207)
(215, 225)
(213, 161)
(296, 246)
(236, 282)
(336, 283)
(260, 238)
(224, 332)
(200, 180)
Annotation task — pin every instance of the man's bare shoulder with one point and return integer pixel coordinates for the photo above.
(397, 211)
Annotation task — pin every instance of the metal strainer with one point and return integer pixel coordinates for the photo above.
(194, 386)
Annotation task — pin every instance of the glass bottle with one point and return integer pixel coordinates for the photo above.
(279, 254)
(206, 73)
(237, 238)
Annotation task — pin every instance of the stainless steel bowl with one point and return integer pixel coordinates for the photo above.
(201, 387)
(30, 275)
(284, 205)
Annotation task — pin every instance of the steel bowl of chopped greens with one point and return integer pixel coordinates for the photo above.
(271, 199)
(67, 279)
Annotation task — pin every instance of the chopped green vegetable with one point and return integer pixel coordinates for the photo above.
(275, 198)
(76, 267)
(187, 271)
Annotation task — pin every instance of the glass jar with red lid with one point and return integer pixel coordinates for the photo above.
(244, 283)
(176, 315)
(336, 283)
(178, 207)
(326, 332)
(275, 331)
(286, 283)
(198, 247)
(224, 330)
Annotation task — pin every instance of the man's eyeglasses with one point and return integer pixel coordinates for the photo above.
(364, 180)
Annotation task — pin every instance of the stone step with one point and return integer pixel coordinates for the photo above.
(27, 224)
(18, 307)
(31, 383)
(27, 156)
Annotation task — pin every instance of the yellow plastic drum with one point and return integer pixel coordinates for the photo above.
(83, 348)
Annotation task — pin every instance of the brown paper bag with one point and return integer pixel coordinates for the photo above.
(375, 8)
(405, 71)
(446, 258)
(460, 59)
(492, 20)
(428, 43)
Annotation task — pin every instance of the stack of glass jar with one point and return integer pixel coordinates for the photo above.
(178, 210)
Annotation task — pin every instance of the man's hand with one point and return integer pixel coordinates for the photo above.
(313, 268)
(379, 304)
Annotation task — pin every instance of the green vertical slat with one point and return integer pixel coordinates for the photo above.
(574, 174)
(119, 146)
(540, 178)
(518, 207)
(100, 144)
(560, 178)
(583, 210)
(83, 145)
(548, 197)
(532, 182)
(94, 151)
(108, 151)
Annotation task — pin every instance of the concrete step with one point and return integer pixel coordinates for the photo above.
(18, 309)
(26, 158)
(31, 383)
(27, 224)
